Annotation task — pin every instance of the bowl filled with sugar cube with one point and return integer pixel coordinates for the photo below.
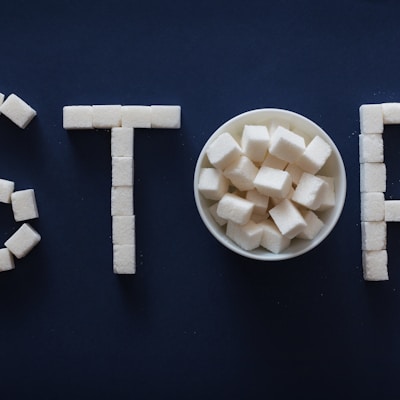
(270, 184)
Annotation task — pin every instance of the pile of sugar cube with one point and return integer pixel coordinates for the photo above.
(122, 120)
(24, 207)
(265, 188)
(17, 110)
(375, 210)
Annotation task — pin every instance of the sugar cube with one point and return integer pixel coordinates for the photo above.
(234, 208)
(24, 205)
(241, 173)
(122, 171)
(223, 151)
(371, 118)
(78, 117)
(272, 239)
(6, 188)
(23, 241)
(165, 117)
(259, 200)
(212, 183)
(372, 177)
(392, 210)
(121, 200)
(287, 218)
(375, 265)
(19, 112)
(286, 145)
(373, 235)
(274, 162)
(255, 142)
(6, 260)
(247, 236)
(213, 211)
(122, 142)
(295, 173)
(371, 148)
(328, 194)
(315, 155)
(309, 191)
(124, 260)
(314, 225)
(106, 116)
(123, 229)
(391, 113)
(372, 206)
(273, 182)
(136, 116)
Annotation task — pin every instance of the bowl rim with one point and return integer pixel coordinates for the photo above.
(267, 255)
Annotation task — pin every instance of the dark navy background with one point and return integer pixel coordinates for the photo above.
(197, 321)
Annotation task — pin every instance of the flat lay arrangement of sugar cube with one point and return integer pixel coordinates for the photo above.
(200, 200)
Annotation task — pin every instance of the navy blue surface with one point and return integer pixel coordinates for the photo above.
(197, 321)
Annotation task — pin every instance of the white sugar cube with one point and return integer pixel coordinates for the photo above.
(6, 260)
(124, 259)
(328, 194)
(78, 117)
(122, 171)
(371, 148)
(24, 205)
(122, 142)
(314, 225)
(234, 208)
(241, 173)
(295, 173)
(212, 183)
(315, 155)
(273, 182)
(259, 200)
(286, 145)
(255, 142)
(375, 265)
(6, 188)
(19, 112)
(106, 116)
(372, 177)
(391, 113)
(121, 200)
(272, 239)
(309, 191)
(136, 116)
(123, 229)
(373, 235)
(223, 151)
(274, 162)
(165, 117)
(371, 118)
(247, 236)
(23, 241)
(372, 206)
(287, 218)
(392, 210)
(213, 211)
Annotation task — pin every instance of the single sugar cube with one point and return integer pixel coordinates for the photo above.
(272, 239)
(372, 206)
(213, 211)
(286, 145)
(314, 226)
(309, 191)
(122, 200)
(375, 265)
(77, 117)
(165, 117)
(373, 235)
(288, 218)
(122, 171)
(223, 151)
(6, 260)
(273, 182)
(247, 236)
(6, 188)
(24, 205)
(328, 194)
(315, 155)
(371, 118)
(23, 241)
(295, 173)
(124, 259)
(392, 210)
(241, 173)
(106, 116)
(373, 177)
(136, 116)
(212, 183)
(391, 113)
(122, 142)
(255, 142)
(123, 229)
(371, 148)
(234, 208)
(274, 162)
(259, 200)
(19, 112)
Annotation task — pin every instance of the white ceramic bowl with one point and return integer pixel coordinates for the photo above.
(334, 167)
